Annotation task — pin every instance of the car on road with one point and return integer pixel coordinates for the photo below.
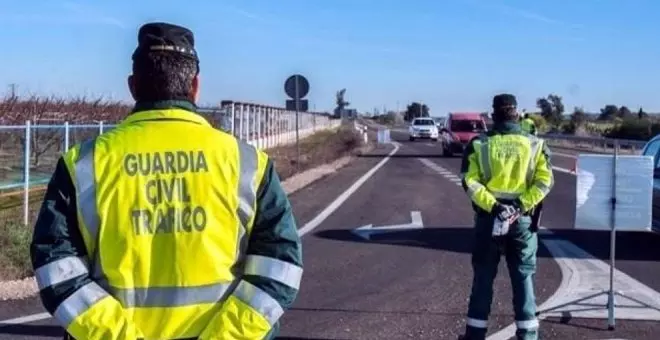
(459, 129)
(652, 148)
(423, 128)
(439, 122)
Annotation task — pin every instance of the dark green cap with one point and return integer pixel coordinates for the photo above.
(165, 37)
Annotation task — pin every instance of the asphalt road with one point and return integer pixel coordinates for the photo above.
(414, 284)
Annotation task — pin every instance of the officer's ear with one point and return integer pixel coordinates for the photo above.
(194, 89)
(131, 86)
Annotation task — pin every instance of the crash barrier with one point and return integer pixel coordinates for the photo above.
(601, 143)
(362, 129)
(29, 152)
(384, 136)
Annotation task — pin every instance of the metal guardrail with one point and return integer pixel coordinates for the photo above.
(596, 142)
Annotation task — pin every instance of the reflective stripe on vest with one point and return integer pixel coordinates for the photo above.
(486, 170)
(79, 302)
(162, 296)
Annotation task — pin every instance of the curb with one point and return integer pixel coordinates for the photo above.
(27, 287)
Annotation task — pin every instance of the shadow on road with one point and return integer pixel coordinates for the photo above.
(396, 155)
(33, 330)
(630, 246)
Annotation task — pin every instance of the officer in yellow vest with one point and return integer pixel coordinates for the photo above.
(528, 125)
(164, 227)
(506, 173)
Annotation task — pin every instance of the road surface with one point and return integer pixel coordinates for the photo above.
(414, 283)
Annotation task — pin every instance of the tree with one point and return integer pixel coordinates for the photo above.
(624, 112)
(578, 116)
(641, 114)
(415, 110)
(609, 112)
(552, 108)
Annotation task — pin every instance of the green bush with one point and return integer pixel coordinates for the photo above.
(633, 128)
(540, 122)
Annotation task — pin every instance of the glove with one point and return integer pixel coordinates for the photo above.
(506, 212)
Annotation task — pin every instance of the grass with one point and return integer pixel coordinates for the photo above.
(320, 148)
(15, 251)
(317, 149)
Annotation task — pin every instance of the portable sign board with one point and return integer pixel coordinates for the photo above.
(632, 181)
(303, 105)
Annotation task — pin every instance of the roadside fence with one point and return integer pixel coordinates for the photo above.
(29, 152)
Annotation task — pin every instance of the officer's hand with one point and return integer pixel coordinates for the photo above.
(504, 212)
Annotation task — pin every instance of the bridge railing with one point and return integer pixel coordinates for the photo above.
(600, 144)
(29, 152)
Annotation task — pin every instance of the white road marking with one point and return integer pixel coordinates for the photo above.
(25, 319)
(442, 171)
(309, 226)
(563, 155)
(582, 275)
(564, 170)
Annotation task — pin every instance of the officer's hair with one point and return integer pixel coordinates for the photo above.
(505, 113)
(164, 76)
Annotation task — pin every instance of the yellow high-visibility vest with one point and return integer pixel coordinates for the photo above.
(508, 167)
(528, 125)
(166, 219)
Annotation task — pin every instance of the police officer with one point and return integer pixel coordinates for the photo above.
(164, 227)
(529, 126)
(506, 172)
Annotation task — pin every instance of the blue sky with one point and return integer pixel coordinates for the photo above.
(453, 55)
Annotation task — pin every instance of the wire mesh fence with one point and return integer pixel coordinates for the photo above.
(29, 152)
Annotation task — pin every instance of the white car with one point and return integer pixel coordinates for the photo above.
(423, 128)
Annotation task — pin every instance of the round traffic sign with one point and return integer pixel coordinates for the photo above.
(296, 86)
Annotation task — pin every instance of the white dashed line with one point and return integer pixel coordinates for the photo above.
(442, 171)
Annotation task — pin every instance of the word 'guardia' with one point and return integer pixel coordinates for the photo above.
(168, 162)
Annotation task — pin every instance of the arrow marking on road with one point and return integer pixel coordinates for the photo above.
(366, 231)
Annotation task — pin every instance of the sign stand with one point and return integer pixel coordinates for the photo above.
(610, 292)
(297, 87)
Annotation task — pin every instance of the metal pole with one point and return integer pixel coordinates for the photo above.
(297, 127)
(100, 127)
(26, 173)
(233, 118)
(610, 295)
(240, 122)
(66, 136)
(260, 112)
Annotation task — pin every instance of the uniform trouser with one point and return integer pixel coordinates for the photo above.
(536, 216)
(519, 248)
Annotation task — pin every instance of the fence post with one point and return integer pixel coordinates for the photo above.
(233, 118)
(240, 122)
(259, 142)
(66, 136)
(26, 173)
(100, 127)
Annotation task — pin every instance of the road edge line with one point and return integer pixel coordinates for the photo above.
(325, 213)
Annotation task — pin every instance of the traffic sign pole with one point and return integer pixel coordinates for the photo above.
(297, 87)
